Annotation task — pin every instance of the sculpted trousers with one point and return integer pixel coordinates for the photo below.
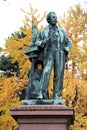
(57, 62)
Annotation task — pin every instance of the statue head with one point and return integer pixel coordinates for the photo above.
(52, 18)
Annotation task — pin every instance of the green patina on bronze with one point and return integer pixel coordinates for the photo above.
(49, 49)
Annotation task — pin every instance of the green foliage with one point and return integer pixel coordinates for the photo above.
(75, 79)
(12, 89)
(7, 66)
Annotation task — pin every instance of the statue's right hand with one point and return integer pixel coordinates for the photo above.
(42, 43)
(46, 40)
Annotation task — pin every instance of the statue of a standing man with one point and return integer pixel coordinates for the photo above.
(55, 46)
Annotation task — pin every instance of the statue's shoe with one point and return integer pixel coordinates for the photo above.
(40, 96)
(56, 96)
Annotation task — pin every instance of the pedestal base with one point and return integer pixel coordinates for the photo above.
(43, 117)
(43, 102)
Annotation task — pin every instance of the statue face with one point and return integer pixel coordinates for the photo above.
(53, 19)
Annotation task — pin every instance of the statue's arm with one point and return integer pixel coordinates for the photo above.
(39, 41)
(42, 40)
(68, 43)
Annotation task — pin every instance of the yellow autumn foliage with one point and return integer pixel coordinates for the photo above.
(74, 86)
(9, 87)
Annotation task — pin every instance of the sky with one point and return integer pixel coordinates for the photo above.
(11, 16)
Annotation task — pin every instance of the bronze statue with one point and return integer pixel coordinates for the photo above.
(52, 48)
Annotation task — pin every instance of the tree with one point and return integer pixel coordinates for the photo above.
(7, 66)
(20, 41)
(75, 79)
(8, 89)
(75, 85)
(12, 87)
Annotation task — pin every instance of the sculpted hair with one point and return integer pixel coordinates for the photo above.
(49, 16)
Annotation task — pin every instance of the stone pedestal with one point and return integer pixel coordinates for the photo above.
(43, 117)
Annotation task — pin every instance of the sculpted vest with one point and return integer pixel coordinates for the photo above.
(56, 42)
